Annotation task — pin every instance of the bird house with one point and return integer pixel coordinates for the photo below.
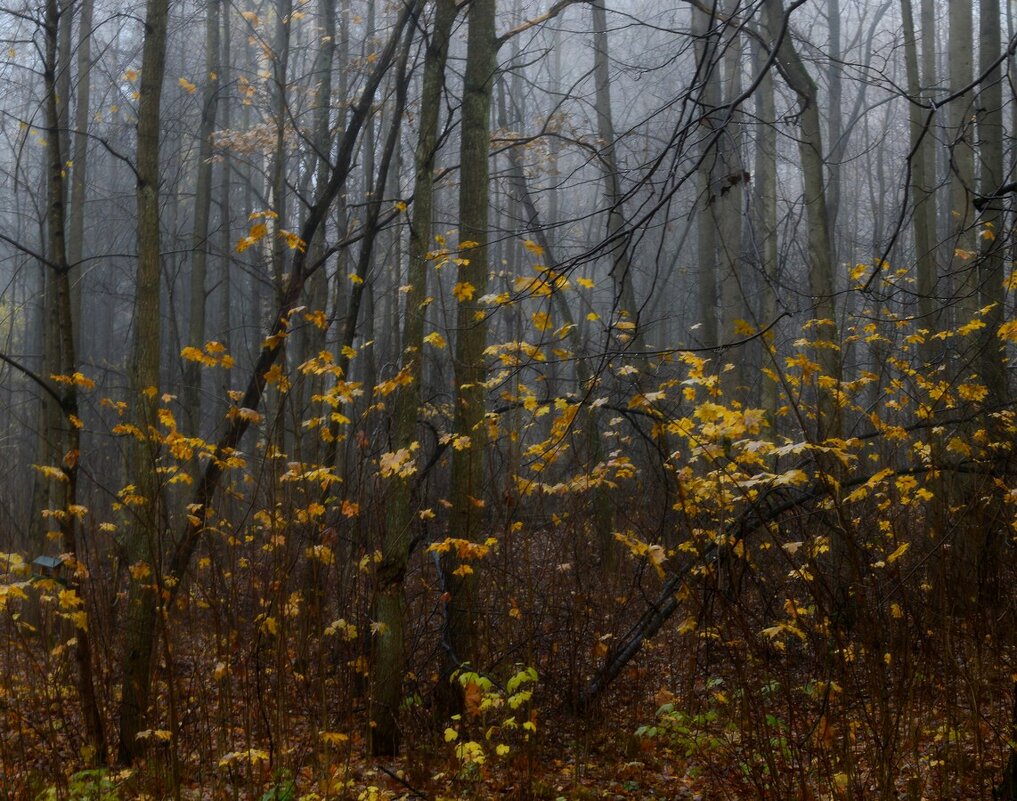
(49, 567)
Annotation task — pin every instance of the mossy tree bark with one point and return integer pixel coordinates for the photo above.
(389, 663)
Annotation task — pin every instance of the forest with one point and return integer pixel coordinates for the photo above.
(525, 399)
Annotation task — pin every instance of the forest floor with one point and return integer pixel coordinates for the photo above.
(722, 704)
(642, 742)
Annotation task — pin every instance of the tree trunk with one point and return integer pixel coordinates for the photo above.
(467, 485)
(991, 273)
(142, 619)
(79, 168)
(820, 271)
(922, 183)
(389, 664)
(731, 211)
(707, 233)
(765, 201)
(139, 626)
(962, 165)
(626, 308)
(68, 431)
(202, 212)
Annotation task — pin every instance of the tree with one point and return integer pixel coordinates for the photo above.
(820, 243)
(467, 488)
(142, 544)
(389, 664)
(143, 613)
(67, 434)
(202, 213)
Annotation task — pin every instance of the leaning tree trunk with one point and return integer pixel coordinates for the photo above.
(142, 621)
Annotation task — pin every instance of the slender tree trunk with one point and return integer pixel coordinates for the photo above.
(707, 233)
(68, 431)
(142, 617)
(962, 164)
(618, 248)
(467, 490)
(922, 184)
(602, 507)
(835, 121)
(202, 214)
(731, 210)
(389, 665)
(79, 168)
(844, 559)
(765, 201)
(992, 365)
(313, 338)
(991, 273)
(820, 250)
(225, 216)
(139, 627)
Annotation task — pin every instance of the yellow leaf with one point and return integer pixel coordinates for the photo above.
(897, 554)
(250, 415)
(317, 319)
(464, 291)
(293, 240)
(541, 321)
(51, 472)
(397, 463)
(1008, 331)
(972, 392)
(187, 86)
(435, 339)
(333, 737)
